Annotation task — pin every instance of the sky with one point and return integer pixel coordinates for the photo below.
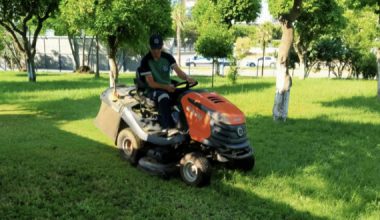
(264, 14)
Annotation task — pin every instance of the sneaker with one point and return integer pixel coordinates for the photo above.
(170, 132)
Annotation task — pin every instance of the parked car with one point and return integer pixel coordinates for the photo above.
(202, 61)
(251, 63)
(268, 61)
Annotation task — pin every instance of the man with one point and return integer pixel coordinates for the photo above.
(155, 67)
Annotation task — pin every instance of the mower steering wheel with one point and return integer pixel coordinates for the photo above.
(188, 85)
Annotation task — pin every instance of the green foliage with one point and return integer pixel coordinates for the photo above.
(264, 33)
(318, 18)
(238, 10)
(75, 16)
(190, 32)
(178, 16)
(205, 12)
(328, 49)
(361, 31)
(361, 3)
(226, 11)
(232, 72)
(242, 46)
(129, 22)
(292, 58)
(22, 18)
(279, 7)
(2, 39)
(26, 9)
(240, 30)
(366, 66)
(215, 41)
(277, 32)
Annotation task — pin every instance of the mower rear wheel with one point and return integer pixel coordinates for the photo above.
(195, 169)
(245, 164)
(129, 146)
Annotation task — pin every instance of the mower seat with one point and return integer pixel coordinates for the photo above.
(141, 90)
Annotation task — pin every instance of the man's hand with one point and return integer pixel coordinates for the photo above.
(190, 80)
(170, 88)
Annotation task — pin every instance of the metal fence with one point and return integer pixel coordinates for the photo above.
(54, 53)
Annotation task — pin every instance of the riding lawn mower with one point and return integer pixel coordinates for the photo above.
(210, 130)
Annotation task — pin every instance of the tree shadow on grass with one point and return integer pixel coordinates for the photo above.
(327, 159)
(15, 87)
(370, 104)
(25, 74)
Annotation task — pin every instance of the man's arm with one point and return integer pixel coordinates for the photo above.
(182, 74)
(153, 84)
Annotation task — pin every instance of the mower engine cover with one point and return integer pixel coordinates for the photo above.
(213, 120)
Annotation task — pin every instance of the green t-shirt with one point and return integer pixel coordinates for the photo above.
(159, 69)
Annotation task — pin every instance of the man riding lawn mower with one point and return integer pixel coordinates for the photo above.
(162, 126)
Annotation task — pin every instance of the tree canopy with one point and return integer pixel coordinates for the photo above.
(21, 18)
(121, 23)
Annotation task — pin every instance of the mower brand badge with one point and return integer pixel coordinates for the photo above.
(240, 131)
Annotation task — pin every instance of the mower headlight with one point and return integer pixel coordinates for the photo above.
(218, 117)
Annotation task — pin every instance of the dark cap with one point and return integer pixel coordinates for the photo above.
(156, 41)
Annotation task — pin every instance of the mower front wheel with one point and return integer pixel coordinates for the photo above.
(129, 146)
(195, 169)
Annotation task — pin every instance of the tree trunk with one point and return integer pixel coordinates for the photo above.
(31, 69)
(90, 51)
(83, 50)
(29, 54)
(212, 73)
(112, 50)
(378, 73)
(74, 51)
(14, 55)
(329, 69)
(97, 58)
(178, 45)
(217, 68)
(262, 64)
(114, 73)
(283, 79)
(301, 56)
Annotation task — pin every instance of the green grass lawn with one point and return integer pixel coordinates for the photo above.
(323, 163)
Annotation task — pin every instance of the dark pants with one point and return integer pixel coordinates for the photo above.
(163, 101)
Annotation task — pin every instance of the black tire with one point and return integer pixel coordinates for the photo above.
(194, 65)
(252, 65)
(195, 170)
(245, 164)
(129, 146)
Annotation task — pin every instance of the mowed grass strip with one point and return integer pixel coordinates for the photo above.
(323, 163)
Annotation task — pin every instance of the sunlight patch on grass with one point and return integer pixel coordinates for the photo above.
(76, 128)
(14, 109)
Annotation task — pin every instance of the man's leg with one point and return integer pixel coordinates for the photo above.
(162, 100)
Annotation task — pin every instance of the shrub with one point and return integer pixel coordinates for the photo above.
(368, 66)
(232, 72)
